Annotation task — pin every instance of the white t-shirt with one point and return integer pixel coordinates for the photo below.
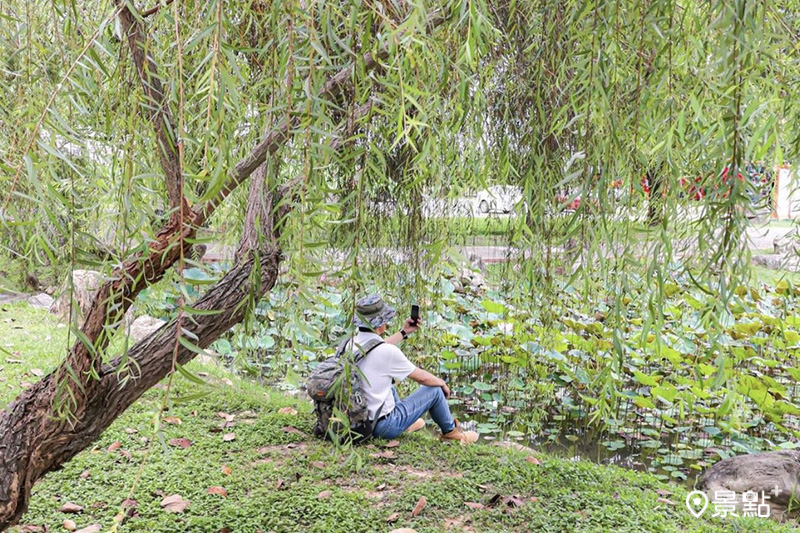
(379, 367)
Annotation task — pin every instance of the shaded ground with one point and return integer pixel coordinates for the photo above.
(239, 458)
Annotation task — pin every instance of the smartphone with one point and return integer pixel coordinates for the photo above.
(415, 313)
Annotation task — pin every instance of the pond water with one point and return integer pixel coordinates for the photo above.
(568, 439)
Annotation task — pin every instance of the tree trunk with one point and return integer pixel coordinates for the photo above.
(33, 443)
(39, 431)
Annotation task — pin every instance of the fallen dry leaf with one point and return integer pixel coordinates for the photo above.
(392, 518)
(94, 528)
(125, 453)
(174, 504)
(37, 372)
(668, 502)
(31, 528)
(71, 508)
(218, 490)
(116, 445)
(130, 431)
(173, 420)
(318, 464)
(290, 429)
(127, 503)
(325, 494)
(381, 486)
(181, 442)
(26, 385)
(506, 501)
(420, 506)
(533, 460)
(388, 454)
(226, 416)
(228, 437)
(85, 474)
(226, 470)
(69, 525)
(392, 444)
(533, 499)
(474, 505)
(279, 485)
(663, 492)
(403, 530)
(287, 411)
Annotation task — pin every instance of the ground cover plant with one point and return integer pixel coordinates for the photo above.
(623, 130)
(686, 393)
(240, 458)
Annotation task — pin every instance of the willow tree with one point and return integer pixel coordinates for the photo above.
(317, 106)
(208, 113)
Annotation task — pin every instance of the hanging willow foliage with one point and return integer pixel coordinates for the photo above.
(362, 124)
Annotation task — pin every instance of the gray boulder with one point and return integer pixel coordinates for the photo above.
(41, 300)
(84, 286)
(143, 327)
(777, 474)
(477, 263)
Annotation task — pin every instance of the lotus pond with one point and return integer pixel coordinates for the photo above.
(669, 389)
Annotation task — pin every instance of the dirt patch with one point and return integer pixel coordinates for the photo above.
(381, 495)
(459, 523)
(407, 470)
(278, 454)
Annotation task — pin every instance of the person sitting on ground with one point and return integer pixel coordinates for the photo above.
(386, 363)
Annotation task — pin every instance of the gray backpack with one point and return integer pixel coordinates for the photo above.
(332, 389)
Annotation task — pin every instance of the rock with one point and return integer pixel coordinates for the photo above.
(777, 474)
(85, 283)
(786, 244)
(789, 262)
(206, 359)
(41, 301)
(477, 263)
(143, 326)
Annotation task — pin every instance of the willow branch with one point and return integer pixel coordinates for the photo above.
(278, 136)
(156, 105)
(153, 10)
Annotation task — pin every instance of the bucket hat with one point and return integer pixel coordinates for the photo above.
(373, 312)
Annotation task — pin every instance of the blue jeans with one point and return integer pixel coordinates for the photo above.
(407, 411)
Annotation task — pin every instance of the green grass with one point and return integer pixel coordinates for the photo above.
(772, 277)
(278, 479)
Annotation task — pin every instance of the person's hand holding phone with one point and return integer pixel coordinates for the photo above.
(412, 323)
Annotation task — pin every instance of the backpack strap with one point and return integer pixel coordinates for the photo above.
(341, 348)
(364, 350)
(374, 421)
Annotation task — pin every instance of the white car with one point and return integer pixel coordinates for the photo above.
(498, 199)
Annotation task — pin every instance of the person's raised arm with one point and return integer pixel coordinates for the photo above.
(409, 327)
